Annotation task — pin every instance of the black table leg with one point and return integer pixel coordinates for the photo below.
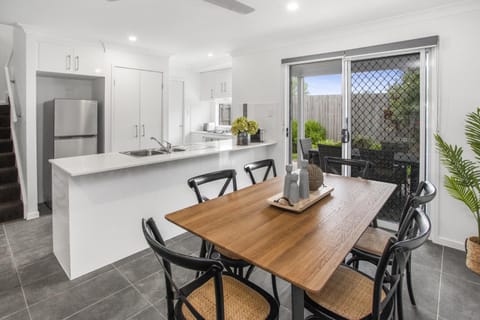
(297, 303)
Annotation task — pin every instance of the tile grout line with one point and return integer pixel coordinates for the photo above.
(440, 285)
(96, 302)
(144, 309)
(68, 289)
(461, 279)
(136, 289)
(16, 271)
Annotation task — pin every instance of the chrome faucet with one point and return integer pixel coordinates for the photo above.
(167, 147)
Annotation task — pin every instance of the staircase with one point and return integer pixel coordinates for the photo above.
(11, 206)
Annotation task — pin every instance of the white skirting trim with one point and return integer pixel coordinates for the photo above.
(32, 215)
(451, 243)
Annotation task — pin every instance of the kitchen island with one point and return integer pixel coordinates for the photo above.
(99, 200)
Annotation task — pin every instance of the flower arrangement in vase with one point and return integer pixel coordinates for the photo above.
(242, 128)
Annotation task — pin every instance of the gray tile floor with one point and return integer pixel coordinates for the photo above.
(34, 287)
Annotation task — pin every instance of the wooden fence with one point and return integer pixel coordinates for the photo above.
(327, 110)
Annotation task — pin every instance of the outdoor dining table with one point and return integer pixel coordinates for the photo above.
(304, 248)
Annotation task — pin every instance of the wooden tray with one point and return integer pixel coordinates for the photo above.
(303, 204)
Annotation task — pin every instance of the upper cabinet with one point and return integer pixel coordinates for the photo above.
(216, 84)
(71, 58)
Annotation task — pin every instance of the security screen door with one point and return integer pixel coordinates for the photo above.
(384, 122)
(376, 104)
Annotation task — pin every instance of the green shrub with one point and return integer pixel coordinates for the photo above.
(330, 142)
(313, 130)
(363, 142)
(294, 135)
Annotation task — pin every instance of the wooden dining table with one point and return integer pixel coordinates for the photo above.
(304, 248)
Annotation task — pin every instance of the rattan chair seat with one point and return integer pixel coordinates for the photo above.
(227, 254)
(347, 293)
(241, 301)
(373, 241)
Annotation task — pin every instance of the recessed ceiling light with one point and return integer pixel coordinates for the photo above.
(132, 38)
(292, 6)
(210, 54)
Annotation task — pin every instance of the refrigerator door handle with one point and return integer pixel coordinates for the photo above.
(68, 62)
(143, 130)
(136, 131)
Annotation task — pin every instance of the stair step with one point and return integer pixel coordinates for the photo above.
(6, 145)
(11, 210)
(9, 192)
(8, 175)
(7, 159)
(4, 133)
(4, 109)
(4, 120)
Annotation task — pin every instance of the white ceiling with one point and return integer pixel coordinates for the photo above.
(189, 29)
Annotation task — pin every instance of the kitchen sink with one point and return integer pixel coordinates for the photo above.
(178, 149)
(144, 152)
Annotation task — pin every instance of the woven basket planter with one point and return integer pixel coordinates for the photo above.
(473, 254)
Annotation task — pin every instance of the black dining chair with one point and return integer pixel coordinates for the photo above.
(370, 245)
(229, 259)
(359, 168)
(216, 294)
(351, 294)
(269, 165)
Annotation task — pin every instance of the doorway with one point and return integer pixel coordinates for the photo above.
(316, 105)
(370, 108)
(176, 111)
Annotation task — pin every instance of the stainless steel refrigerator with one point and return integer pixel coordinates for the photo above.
(70, 128)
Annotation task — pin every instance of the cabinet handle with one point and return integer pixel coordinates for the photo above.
(77, 63)
(143, 130)
(68, 62)
(211, 93)
(136, 131)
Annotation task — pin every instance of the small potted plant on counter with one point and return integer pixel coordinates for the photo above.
(243, 128)
(463, 183)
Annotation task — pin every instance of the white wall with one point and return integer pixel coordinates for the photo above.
(6, 45)
(197, 111)
(258, 78)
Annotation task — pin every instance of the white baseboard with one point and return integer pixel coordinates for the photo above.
(32, 215)
(454, 244)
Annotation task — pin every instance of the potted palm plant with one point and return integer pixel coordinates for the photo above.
(463, 183)
(242, 128)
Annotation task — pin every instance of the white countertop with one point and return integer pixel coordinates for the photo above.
(103, 162)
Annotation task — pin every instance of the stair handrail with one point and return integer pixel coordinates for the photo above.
(11, 96)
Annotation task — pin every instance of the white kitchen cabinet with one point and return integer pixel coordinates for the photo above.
(216, 84)
(64, 57)
(150, 108)
(207, 85)
(137, 108)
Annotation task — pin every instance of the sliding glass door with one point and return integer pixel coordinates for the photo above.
(372, 110)
(316, 105)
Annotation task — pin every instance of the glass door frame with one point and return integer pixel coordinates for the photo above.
(288, 100)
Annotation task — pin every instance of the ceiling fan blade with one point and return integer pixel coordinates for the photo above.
(232, 5)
